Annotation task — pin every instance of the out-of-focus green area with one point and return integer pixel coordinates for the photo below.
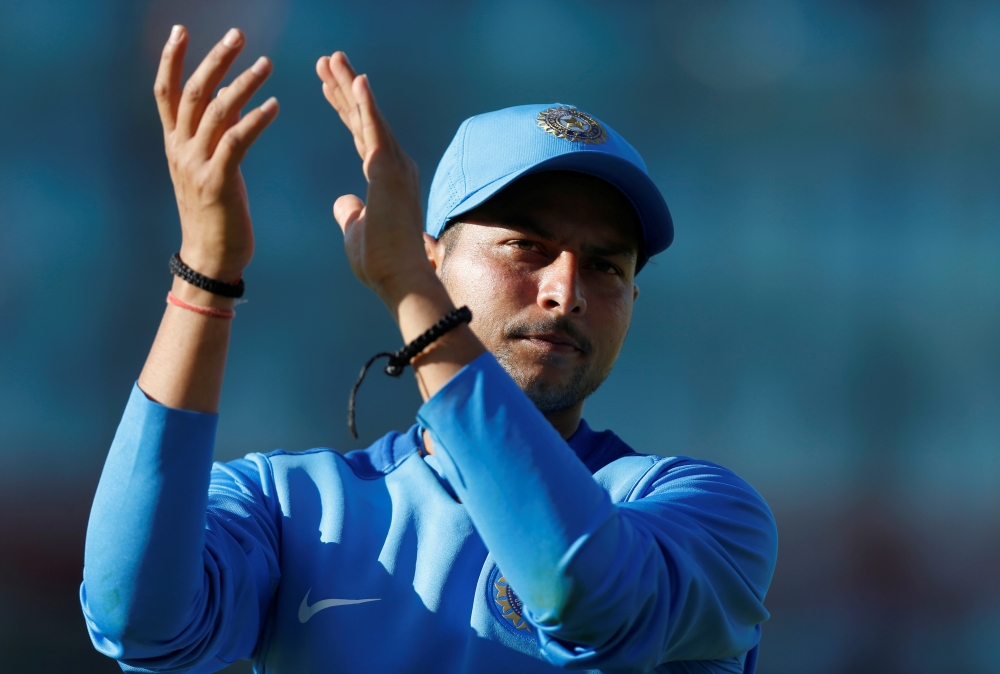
(827, 323)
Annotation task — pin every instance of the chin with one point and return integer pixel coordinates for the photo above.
(538, 373)
(550, 387)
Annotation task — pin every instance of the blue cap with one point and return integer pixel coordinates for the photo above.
(492, 150)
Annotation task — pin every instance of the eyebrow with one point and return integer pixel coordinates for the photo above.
(609, 249)
(527, 224)
(625, 250)
(530, 225)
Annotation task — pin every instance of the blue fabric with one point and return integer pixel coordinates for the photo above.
(316, 561)
(493, 149)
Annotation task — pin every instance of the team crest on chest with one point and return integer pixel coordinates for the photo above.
(572, 125)
(507, 604)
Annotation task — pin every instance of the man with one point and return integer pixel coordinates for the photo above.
(500, 533)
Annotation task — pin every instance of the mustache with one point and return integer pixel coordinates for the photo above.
(561, 325)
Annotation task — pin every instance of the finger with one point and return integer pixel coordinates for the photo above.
(198, 90)
(336, 96)
(374, 130)
(345, 118)
(167, 87)
(233, 118)
(341, 75)
(356, 137)
(237, 140)
(344, 77)
(230, 100)
(332, 91)
(347, 210)
(340, 98)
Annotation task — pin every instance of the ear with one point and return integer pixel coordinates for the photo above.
(635, 292)
(434, 250)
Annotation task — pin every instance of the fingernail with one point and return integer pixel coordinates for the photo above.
(260, 65)
(232, 38)
(175, 33)
(270, 105)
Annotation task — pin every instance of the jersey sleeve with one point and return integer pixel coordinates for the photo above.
(181, 558)
(678, 572)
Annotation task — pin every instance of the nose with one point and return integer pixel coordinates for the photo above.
(559, 290)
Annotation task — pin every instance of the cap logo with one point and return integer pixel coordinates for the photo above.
(572, 125)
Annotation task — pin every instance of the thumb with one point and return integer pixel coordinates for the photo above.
(347, 210)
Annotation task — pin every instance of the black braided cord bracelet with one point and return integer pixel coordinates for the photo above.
(400, 359)
(181, 270)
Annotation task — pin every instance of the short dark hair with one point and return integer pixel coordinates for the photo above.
(449, 235)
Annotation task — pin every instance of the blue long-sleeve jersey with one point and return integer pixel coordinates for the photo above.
(507, 550)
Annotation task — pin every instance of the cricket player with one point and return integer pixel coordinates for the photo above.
(500, 533)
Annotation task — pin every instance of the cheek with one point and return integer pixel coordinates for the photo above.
(492, 291)
(611, 322)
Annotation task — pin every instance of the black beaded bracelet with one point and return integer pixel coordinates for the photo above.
(181, 270)
(400, 359)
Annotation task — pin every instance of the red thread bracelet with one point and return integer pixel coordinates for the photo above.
(204, 311)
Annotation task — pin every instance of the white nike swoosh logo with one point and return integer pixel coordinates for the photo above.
(306, 611)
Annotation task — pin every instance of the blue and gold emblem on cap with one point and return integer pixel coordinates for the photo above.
(508, 604)
(572, 125)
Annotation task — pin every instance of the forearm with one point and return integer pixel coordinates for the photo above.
(143, 560)
(416, 309)
(185, 366)
(679, 572)
(179, 566)
(159, 463)
(147, 526)
(531, 499)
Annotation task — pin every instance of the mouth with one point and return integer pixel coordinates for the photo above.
(553, 343)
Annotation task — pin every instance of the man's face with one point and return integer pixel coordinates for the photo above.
(547, 267)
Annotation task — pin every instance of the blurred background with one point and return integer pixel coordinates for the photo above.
(827, 323)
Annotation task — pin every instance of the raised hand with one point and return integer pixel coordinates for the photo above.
(206, 139)
(384, 238)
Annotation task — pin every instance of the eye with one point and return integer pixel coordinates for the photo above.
(605, 267)
(524, 244)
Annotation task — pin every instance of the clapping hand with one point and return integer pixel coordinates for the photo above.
(383, 238)
(206, 139)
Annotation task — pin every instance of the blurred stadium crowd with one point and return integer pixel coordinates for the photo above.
(827, 323)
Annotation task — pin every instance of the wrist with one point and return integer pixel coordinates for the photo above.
(219, 267)
(417, 304)
(404, 286)
(195, 295)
